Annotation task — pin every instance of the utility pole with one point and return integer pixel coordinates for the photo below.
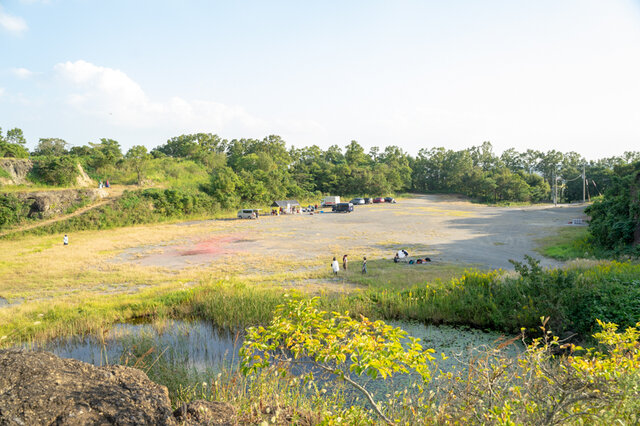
(583, 184)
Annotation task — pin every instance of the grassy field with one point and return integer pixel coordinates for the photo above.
(566, 244)
(62, 290)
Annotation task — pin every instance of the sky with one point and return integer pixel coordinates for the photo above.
(544, 74)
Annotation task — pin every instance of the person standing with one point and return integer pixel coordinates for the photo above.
(364, 265)
(344, 262)
(65, 240)
(335, 266)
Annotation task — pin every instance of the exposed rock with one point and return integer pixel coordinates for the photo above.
(206, 413)
(83, 180)
(45, 204)
(18, 169)
(40, 388)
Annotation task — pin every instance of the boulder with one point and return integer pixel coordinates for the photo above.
(40, 388)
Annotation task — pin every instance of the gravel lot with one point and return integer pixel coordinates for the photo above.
(446, 228)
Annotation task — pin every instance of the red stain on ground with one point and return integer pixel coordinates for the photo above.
(212, 246)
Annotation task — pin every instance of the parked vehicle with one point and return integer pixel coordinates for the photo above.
(247, 214)
(378, 200)
(330, 201)
(357, 201)
(343, 208)
(368, 200)
(389, 200)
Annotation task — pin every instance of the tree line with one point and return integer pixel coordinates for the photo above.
(260, 170)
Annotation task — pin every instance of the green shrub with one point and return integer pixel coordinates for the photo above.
(12, 210)
(136, 207)
(617, 216)
(57, 171)
(573, 298)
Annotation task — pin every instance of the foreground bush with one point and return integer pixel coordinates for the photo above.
(548, 383)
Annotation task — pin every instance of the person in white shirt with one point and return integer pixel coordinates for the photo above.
(65, 240)
(335, 266)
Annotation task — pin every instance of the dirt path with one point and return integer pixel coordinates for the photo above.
(114, 192)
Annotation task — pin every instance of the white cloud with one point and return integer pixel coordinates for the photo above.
(111, 94)
(1, 91)
(22, 73)
(12, 24)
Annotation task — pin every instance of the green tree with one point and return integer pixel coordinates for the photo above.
(223, 186)
(51, 146)
(355, 155)
(104, 154)
(616, 218)
(138, 158)
(13, 145)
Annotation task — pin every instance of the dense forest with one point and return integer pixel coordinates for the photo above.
(237, 172)
(252, 170)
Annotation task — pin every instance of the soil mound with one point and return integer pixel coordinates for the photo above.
(41, 388)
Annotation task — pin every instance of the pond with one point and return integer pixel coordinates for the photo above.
(202, 347)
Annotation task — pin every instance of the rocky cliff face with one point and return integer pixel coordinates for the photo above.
(45, 204)
(17, 168)
(38, 388)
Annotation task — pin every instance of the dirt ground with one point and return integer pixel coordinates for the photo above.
(445, 228)
(289, 251)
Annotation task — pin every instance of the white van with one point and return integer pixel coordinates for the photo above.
(246, 214)
(330, 201)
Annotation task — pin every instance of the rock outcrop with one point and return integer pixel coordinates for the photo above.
(40, 388)
(17, 168)
(83, 180)
(46, 204)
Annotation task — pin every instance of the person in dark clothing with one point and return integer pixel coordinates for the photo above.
(364, 265)
(344, 262)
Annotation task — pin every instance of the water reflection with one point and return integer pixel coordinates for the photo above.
(197, 346)
(202, 347)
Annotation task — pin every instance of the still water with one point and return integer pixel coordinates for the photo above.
(202, 347)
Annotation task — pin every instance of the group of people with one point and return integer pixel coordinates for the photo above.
(345, 261)
(104, 185)
(402, 256)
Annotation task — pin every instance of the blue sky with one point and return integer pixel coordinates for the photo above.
(547, 74)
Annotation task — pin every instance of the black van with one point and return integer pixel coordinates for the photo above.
(343, 208)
